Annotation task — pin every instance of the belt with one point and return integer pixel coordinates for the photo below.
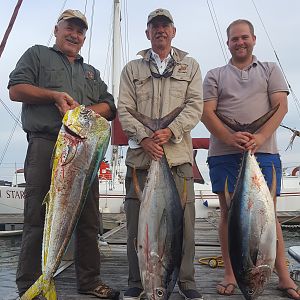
(47, 136)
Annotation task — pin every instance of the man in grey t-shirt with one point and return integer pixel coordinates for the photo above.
(243, 90)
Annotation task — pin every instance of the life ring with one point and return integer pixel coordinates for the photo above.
(295, 171)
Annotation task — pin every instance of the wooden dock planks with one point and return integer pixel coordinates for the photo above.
(114, 268)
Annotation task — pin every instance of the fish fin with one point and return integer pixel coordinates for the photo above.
(155, 124)
(68, 154)
(47, 224)
(41, 287)
(184, 194)
(168, 119)
(252, 127)
(46, 199)
(52, 160)
(226, 192)
(51, 291)
(136, 185)
(135, 245)
(273, 186)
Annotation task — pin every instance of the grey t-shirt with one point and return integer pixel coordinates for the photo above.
(243, 95)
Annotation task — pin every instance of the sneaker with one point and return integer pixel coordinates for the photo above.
(190, 294)
(133, 293)
(102, 291)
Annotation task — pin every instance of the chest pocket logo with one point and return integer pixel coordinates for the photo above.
(183, 68)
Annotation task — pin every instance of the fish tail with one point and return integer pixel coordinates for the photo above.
(155, 124)
(41, 287)
(252, 127)
(51, 291)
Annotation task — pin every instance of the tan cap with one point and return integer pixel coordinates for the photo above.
(159, 12)
(73, 14)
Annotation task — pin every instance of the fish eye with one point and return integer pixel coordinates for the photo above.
(159, 293)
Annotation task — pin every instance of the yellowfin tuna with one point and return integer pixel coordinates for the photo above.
(160, 227)
(251, 219)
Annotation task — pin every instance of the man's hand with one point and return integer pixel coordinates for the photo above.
(154, 150)
(161, 136)
(64, 102)
(240, 140)
(257, 140)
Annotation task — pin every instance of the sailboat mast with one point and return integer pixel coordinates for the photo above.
(116, 62)
(116, 71)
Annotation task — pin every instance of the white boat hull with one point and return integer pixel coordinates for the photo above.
(111, 198)
(11, 200)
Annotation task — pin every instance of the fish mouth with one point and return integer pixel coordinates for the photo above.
(258, 277)
(73, 133)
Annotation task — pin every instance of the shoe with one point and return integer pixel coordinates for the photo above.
(133, 293)
(226, 291)
(287, 292)
(190, 294)
(102, 291)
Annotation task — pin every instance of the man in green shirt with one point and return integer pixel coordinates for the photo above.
(49, 81)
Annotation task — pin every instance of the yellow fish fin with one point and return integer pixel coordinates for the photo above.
(46, 199)
(226, 192)
(41, 287)
(136, 185)
(273, 186)
(184, 193)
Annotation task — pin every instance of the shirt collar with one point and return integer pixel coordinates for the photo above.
(253, 63)
(156, 56)
(55, 48)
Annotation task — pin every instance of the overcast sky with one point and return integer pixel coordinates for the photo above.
(195, 34)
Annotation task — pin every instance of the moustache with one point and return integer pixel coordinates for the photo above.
(71, 40)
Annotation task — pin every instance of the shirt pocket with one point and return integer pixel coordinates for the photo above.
(143, 89)
(178, 85)
(92, 90)
(54, 78)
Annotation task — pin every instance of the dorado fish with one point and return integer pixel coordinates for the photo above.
(79, 149)
(160, 227)
(251, 220)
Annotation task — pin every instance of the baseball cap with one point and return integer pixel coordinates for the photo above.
(159, 12)
(73, 14)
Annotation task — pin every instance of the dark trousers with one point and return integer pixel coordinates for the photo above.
(37, 170)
